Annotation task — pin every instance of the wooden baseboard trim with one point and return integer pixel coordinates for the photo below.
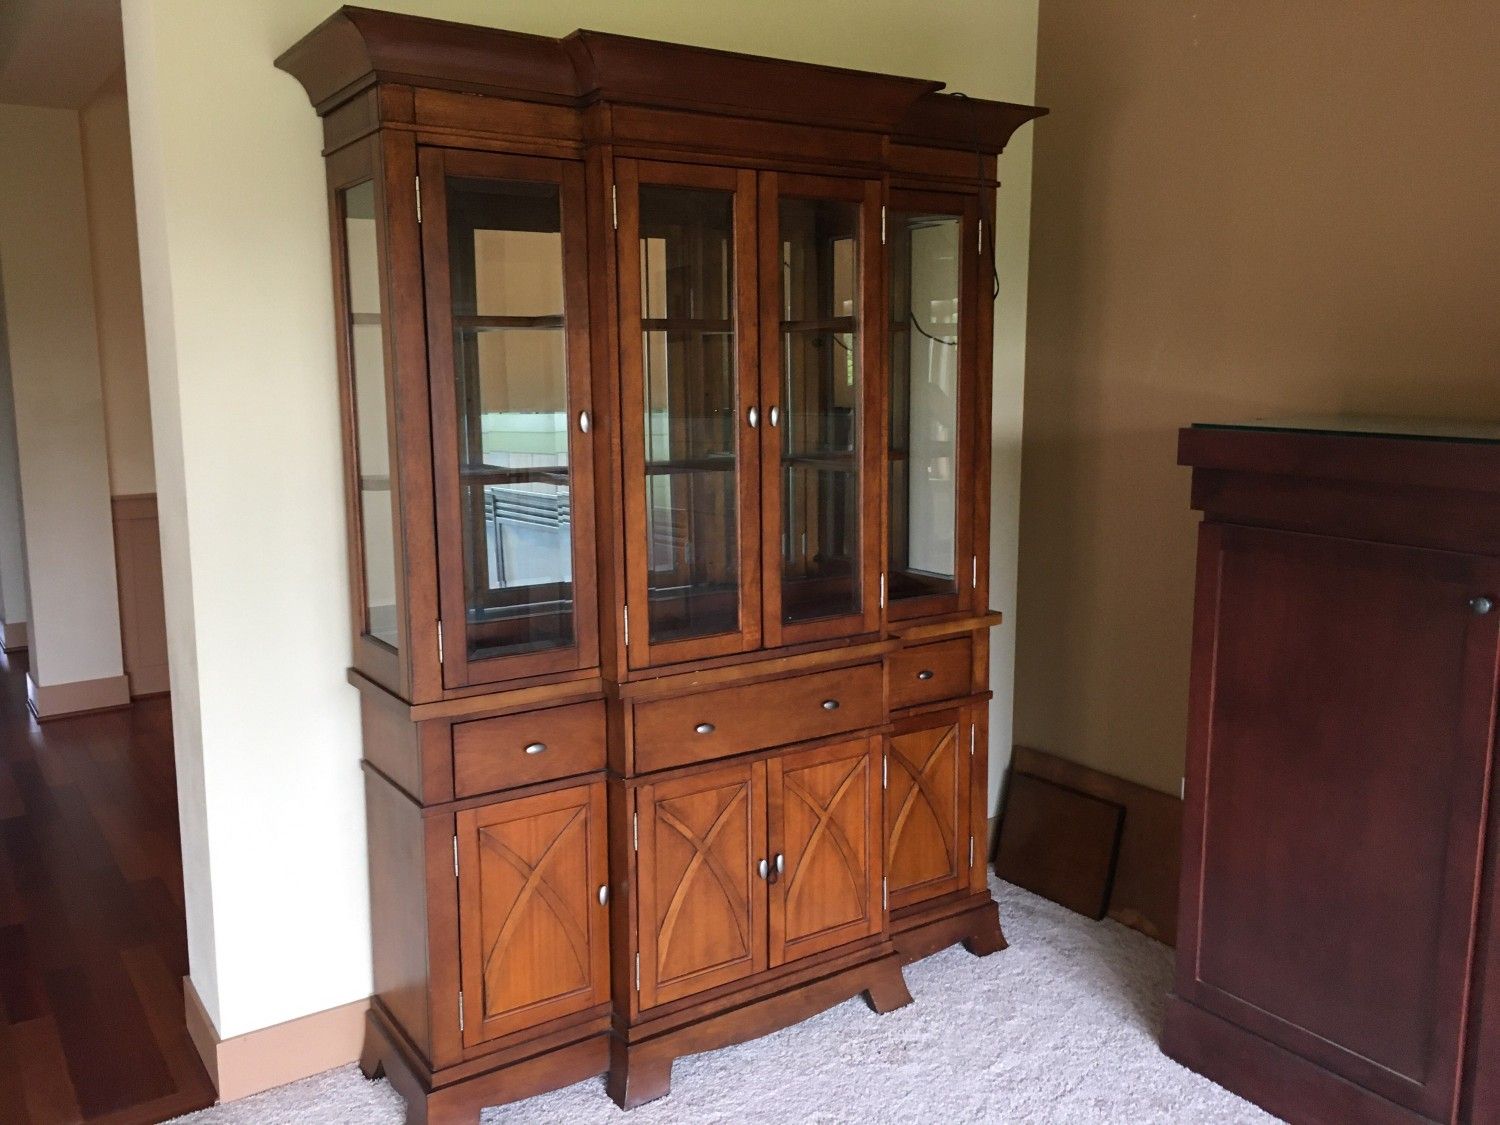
(1144, 893)
(13, 636)
(82, 697)
(273, 1056)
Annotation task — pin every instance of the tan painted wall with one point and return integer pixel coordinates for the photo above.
(1239, 209)
(105, 130)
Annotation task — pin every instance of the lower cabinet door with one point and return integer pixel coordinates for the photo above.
(701, 899)
(927, 824)
(533, 933)
(823, 812)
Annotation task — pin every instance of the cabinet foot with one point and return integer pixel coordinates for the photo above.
(887, 989)
(637, 1075)
(371, 1062)
(989, 938)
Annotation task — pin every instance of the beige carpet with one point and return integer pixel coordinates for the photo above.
(1061, 1027)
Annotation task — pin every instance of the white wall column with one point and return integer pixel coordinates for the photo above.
(45, 267)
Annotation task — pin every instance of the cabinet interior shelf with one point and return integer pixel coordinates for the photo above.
(687, 324)
(828, 324)
(712, 464)
(531, 474)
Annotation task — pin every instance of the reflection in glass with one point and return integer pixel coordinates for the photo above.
(510, 374)
(371, 440)
(688, 361)
(820, 392)
(924, 289)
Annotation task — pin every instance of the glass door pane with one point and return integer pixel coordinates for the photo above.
(377, 532)
(820, 390)
(924, 253)
(689, 374)
(510, 368)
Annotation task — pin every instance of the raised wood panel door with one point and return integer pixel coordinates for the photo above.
(505, 260)
(702, 901)
(823, 809)
(688, 302)
(534, 935)
(1340, 740)
(927, 824)
(820, 361)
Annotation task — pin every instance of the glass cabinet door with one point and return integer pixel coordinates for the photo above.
(503, 243)
(819, 257)
(687, 296)
(931, 256)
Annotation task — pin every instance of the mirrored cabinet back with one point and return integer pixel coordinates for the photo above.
(666, 398)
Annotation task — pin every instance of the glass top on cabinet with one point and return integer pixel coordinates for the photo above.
(1369, 425)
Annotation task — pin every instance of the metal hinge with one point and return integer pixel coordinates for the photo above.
(418, 181)
(1182, 789)
(971, 851)
(885, 772)
(981, 236)
(882, 225)
(455, 856)
(637, 972)
(885, 894)
(440, 642)
(627, 626)
(460, 1011)
(882, 591)
(972, 728)
(635, 831)
(974, 573)
(614, 205)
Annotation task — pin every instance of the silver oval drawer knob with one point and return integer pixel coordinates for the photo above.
(1481, 605)
(536, 748)
(604, 895)
(925, 674)
(830, 704)
(704, 728)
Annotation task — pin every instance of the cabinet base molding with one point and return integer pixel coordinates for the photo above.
(641, 1070)
(973, 920)
(1281, 1083)
(456, 1096)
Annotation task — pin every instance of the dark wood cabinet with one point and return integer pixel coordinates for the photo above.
(1340, 753)
(666, 416)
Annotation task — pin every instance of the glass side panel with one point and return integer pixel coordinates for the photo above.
(688, 361)
(925, 263)
(372, 435)
(820, 393)
(510, 376)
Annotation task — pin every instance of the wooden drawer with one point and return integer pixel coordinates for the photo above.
(501, 753)
(942, 670)
(732, 720)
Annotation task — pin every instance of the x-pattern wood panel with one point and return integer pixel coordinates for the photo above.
(533, 933)
(925, 804)
(823, 819)
(702, 910)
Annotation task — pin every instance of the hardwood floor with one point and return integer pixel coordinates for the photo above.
(92, 941)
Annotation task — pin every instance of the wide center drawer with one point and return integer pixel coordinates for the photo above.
(733, 720)
(511, 750)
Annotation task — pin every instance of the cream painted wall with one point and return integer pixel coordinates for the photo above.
(1241, 210)
(54, 364)
(14, 607)
(105, 126)
(233, 228)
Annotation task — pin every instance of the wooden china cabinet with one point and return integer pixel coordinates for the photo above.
(666, 409)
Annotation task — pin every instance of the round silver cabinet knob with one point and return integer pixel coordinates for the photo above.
(925, 674)
(1481, 605)
(536, 748)
(830, 704)
(704, 728)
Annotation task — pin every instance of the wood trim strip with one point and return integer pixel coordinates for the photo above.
(81, 697)
(273, 1056)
